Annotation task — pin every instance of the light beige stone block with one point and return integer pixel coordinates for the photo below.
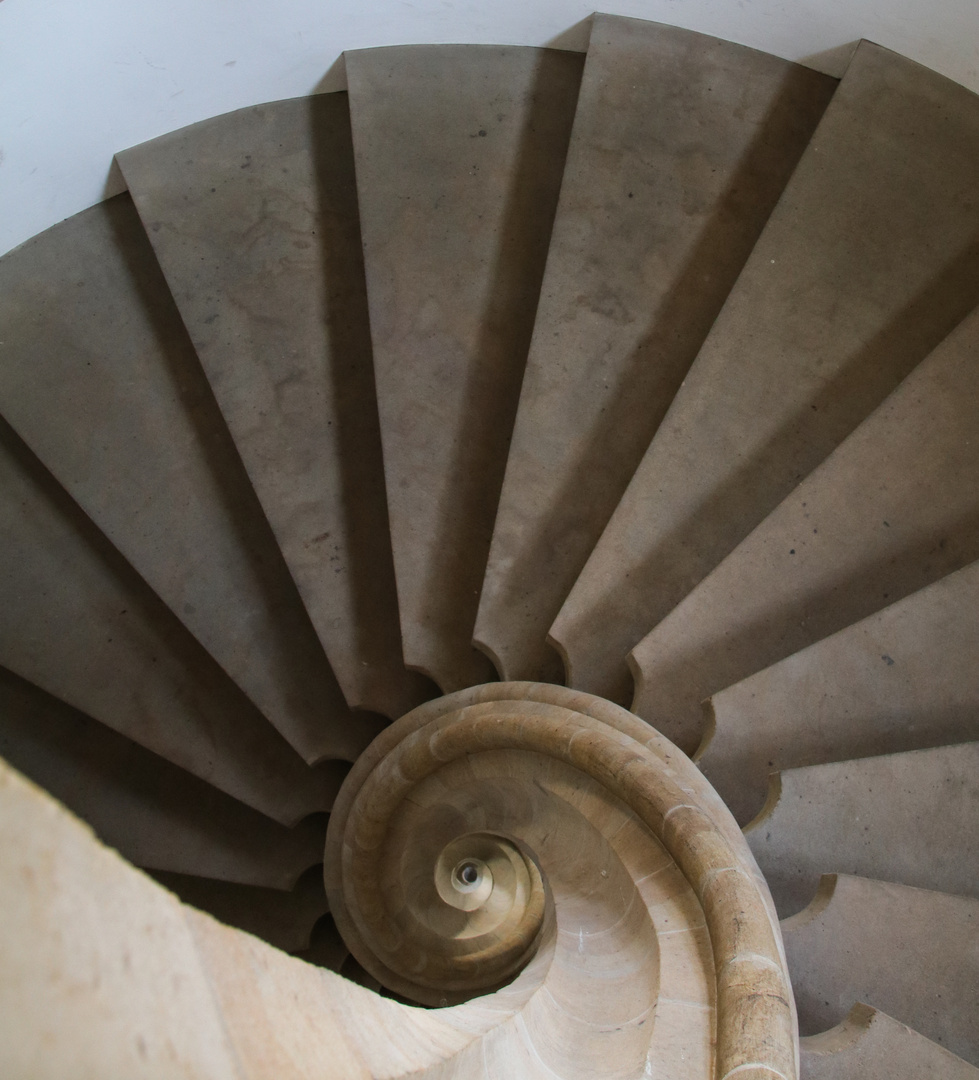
(253, 216)
(911, 952)
(872, 1045)
(459, 153)
(903, 679)
(866, 264)
(894, 508)
(680, 148)
(911, 818)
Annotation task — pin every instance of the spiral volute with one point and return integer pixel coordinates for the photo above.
(545, 854)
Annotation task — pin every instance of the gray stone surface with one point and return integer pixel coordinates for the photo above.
(77, 621)
(253, 217)
(905, 678)
(459, 153)
(91, 337)
(156, 815)
(911, 818)
(892, 510)
(680, 148)
(283, 918)
(911, 952)
(874, 1046)
(868, 261)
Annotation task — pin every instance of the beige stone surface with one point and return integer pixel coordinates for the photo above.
(680, 148)
(101, 976)
(910, 952)
(667, 951)
(866, 264)
(76, 620)
(91, 335)
(912, 818)
(156, 815)
(893, 509)
(459, 153)
(253, 216)
(279, 916)
(874, 1046)
(903, 679)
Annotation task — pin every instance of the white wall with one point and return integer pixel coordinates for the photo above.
(80, 79)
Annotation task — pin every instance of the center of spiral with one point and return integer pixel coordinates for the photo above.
(467, 875)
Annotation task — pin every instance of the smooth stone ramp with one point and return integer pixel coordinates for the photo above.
(459, 155)
(911, 818)
(912, 952)
(893, 509)
(284, 919)
(874, 1046)
(91, 336)
(128, 997)
(77, 621)
(905, 678)
(154, 987)
(869, 260)
(156, 815)
(680, 148)
(253, 217)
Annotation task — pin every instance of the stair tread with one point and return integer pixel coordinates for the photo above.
(459, 153)
(867, 263)
(874, 1046)
(894, 508)
(680, 148)
(912, 952)
(157, 815)
(77, 621)
(283, 919)
(253, 217)
(911, 818)
(91, 336)
(905, 678)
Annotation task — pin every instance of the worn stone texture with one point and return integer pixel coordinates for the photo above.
(156, 815)
(892, 510)
(905, 678)
(680, 148)
(77, 621)
(874, 1046)
(253, 216)
(911, 818)
(459, 153)
(91, 335)
(870, 259)
(911, 952)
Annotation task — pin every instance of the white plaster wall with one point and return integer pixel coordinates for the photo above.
(80, 79)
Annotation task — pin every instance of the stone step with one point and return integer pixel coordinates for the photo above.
(284, 919)
(892, 510)
(874, 1046)
(867, 263)
(156, 815)
(77, 621)
(910, 952)
(459, 154)
(911, 818)
(91, 337)
(253, 217)
(680, 148)
(905, 678)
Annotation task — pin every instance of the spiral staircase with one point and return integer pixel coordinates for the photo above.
(506, 391)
